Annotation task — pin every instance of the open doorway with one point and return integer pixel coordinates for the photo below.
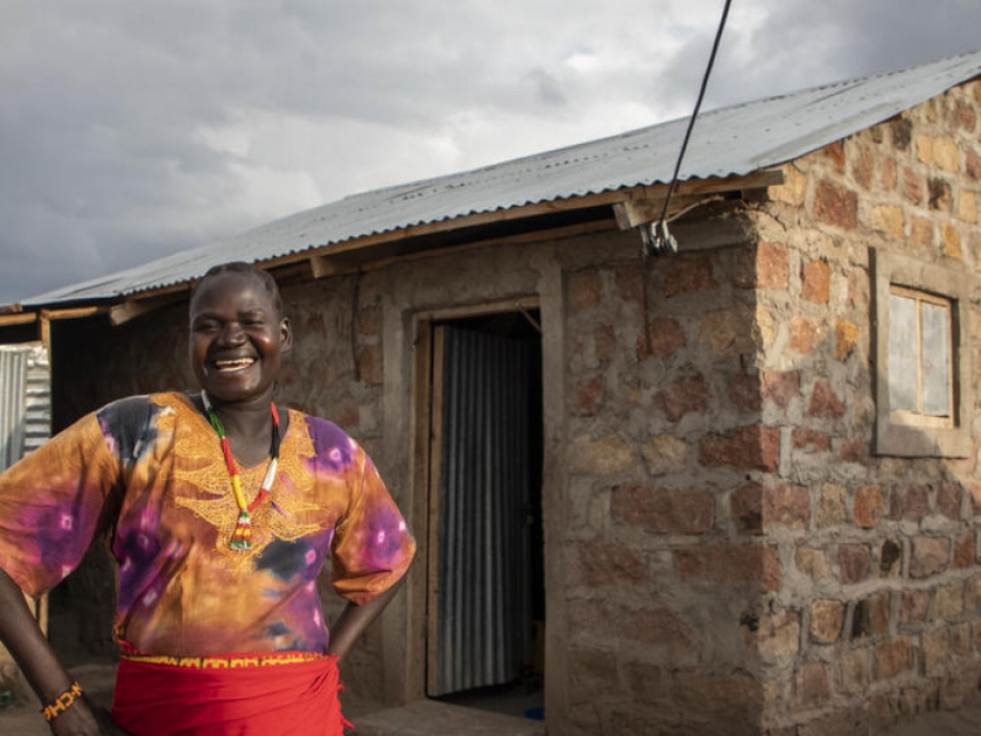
(485, 591)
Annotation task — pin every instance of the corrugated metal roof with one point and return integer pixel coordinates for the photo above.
(734, 140)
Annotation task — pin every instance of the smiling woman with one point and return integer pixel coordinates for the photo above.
(222, 508)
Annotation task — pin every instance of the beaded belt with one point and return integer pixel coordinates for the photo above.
(264, 659)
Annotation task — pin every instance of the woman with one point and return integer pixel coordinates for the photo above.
(221, 509)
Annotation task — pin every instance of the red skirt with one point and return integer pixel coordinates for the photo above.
(291, 694)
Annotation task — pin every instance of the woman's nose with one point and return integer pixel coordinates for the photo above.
(231, 334)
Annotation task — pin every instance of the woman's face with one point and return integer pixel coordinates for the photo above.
(237, 338)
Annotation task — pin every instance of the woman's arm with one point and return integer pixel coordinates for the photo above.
(22, 636)
(353, 621)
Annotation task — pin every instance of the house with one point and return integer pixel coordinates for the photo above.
(741, 491)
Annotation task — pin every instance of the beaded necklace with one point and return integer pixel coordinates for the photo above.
(242, 536)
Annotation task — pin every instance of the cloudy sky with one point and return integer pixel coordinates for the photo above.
(130, 129)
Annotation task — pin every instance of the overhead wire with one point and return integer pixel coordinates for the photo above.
(660, 230)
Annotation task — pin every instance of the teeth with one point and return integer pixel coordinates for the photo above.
(234, 364)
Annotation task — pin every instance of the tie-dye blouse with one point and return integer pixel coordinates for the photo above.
(149, 471)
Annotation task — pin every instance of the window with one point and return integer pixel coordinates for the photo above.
(922, 386)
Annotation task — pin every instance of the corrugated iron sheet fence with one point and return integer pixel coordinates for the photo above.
(484, 634)
(25, 401)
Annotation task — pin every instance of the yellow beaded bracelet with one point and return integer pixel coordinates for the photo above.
(62, 703)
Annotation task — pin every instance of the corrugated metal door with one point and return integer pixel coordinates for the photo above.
(24, 401)
(480, 633)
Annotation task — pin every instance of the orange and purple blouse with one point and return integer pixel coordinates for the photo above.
(149, 471)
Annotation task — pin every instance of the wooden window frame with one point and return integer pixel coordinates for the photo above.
(908, 434)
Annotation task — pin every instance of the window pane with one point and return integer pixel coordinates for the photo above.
(936, 359)
(902, 354)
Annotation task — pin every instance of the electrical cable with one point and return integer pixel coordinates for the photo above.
(661, 227)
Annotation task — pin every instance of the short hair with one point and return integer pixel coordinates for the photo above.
(244, 269)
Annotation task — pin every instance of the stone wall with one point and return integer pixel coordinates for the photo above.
(877, 612)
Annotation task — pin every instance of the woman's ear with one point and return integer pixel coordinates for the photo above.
(285, 335)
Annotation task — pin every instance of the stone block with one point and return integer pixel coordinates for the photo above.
(816, 282)
(786, 505)
(824, 404)
(972, 594)
(950, 236)
(746, 507)
(891, 658)
(585, 288)
(921, 232)
(664, 337)
(664, 454)
(369, 365)
(913, 605)
(913, 186)
(607, 563)
(889, 173)
(746, 391)
(661, 512)
(779, 635)
(685, 395)
(910, 504)
(731, 564)
(588, 397)
(810, 440)
(890, 558)
(901, 132)
(967, 207)
(751, 448)
(888, 219)
(813, 562)
(964, 551)
(827, 618)
(662, 627)
(949, 500)
(972, 165)
(728, 331)
(856, 451)
(831, 507)
(772, 266)
(805, 334)
(863, 167)
(811, 686)
(947, 154)
(924, 149)
(846, 336)
(939, 193)
(933, 652)
(852, 667)
(781, 387)
(687, 274)
(964, 117)
(835, 205)
(871, 616)
(854, 561)
(948, 602)
(602, 456)
(867, 507)
(930, 556)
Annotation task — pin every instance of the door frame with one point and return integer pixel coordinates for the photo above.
(425, 462)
